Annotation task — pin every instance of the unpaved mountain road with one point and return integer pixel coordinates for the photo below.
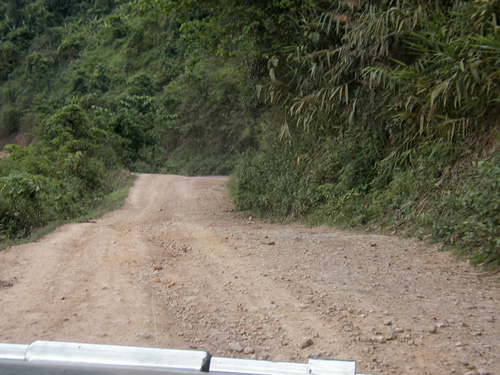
(176, 267)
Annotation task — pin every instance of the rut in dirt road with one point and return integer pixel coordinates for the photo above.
(177, 267)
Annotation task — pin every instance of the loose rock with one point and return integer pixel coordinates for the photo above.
(380, 339)
(6, 284)
(248, 350)
(235, 347)
(305, 342)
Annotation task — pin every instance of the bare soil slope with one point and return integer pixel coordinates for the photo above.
(177, 268)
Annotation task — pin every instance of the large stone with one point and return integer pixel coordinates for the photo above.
(305, 342)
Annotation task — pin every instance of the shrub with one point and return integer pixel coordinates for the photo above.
(69, 122)
(470, 216)
(141, 84)
(9, 120)
(38, 66)
(266, 183)
(9, 54)
(28, 201)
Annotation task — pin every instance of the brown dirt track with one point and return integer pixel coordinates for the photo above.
(176, 267)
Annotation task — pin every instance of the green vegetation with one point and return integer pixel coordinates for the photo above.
(99, 88)
(68, 170)
(390, 119)
(355, 113)
(110, 202)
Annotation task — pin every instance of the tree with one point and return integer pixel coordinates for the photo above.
(255, 29)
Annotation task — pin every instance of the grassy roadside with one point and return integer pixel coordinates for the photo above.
(110, 202)
(450, 199)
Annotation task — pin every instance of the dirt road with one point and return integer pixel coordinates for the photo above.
(177, 268)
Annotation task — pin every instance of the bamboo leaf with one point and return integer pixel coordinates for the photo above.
(272, 75)
(259, 90)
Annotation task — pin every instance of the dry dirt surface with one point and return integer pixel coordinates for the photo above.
(176, 267)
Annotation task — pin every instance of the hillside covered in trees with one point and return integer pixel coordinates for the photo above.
(354, 113)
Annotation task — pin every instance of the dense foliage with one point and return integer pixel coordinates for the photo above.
(356, 113)
(97, 87)
(385, 106)
(57, 177)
